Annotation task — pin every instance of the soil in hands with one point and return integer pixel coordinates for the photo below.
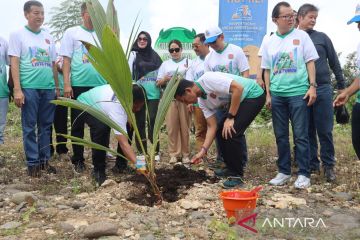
(173, 184)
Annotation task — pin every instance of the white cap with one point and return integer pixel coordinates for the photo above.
(212, 33)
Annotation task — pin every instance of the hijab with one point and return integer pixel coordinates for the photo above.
(147, 60)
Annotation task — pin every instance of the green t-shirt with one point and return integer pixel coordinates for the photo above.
(83, 74)
(358, 97)
(4, 60)
(36, 51)
(149, 83)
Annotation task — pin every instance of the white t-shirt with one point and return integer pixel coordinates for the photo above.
(169, 67)
(286, 57)
(215, 87)
(261, 49)
(37, 54)
(231, 60)
(4, 60)
(83, 74)
(196, 69)
(104, 99)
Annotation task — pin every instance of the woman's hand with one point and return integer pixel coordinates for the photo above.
(198, 157)
(228, 128)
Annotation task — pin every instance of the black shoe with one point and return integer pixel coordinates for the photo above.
(329, 174)
(79, 167)
(315, 171)
(99, 176)
(48, 168)
(34, 171)
(224, 172)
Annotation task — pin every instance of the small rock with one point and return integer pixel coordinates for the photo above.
(100, 229)
(148, 237)
(108, 183)
(198, 215)
(63, 207)
(20, 206)
(343, 196)
(50, 232)
(35, 225)
(10, 225)
(128, 233)
(113, 215)
(77, 223)
(186, 204)
(66, 227)
(77, 204)
(20, 197)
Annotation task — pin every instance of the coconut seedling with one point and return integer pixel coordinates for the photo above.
(110, 60)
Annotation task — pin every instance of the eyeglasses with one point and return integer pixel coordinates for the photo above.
(287, 17)
(172, 50)
(142, 39)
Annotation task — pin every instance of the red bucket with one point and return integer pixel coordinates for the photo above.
(239, 203)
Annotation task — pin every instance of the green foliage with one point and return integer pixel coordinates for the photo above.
(223, 227)
(26, 215)
(67, 15)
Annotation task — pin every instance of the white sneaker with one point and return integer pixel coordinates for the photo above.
(280, 179)
(173, 160)
(140, 157)
(157, 158)
(186, 160)
(302, 182)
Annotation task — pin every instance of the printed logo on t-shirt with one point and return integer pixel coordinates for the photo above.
(47, 41)
(296, 42)
(85, 52)
(39, 57)
(231, 56)
(285, 62)
(226, 68)
(213, 95)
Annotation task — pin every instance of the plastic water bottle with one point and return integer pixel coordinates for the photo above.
(141, 165)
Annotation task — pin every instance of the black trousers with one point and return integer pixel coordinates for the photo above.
(77, 126)
(355, 129)
(60, 125)
(141, 121)
(100, 134)
(232, 148)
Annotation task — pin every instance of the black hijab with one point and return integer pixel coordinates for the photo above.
(147, 60)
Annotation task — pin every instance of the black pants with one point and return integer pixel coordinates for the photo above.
(355, 129)
(100, 134)
(232, 148)
(60, 125)
(77, 126)
(141, 120)
(120, 161)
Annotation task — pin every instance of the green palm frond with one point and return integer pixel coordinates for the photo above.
(111, 18)
(133, 36)
(98, 16)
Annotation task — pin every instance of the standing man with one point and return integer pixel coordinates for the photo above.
(32, 52)
(322, 111)
(288, 59)
(195, 71)
(79, 76)
(227, 58)
(4, 89)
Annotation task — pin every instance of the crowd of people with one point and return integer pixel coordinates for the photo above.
(293, 82)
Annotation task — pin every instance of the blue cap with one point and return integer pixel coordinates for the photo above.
(356, 18)
(212, 33)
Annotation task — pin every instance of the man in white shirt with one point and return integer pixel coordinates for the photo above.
(227, 58)
(79, 76)
(32, 56)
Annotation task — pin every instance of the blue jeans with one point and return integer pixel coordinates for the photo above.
(294, 109)
(37, 114)
(321, 124)
(4, 105)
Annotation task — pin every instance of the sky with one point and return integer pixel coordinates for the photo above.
(198, 14)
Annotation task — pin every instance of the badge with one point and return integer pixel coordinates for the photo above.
(231, 56)
(213, 95)
(296, 42)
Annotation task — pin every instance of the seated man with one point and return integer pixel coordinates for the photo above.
(104, 99)
(242, 98)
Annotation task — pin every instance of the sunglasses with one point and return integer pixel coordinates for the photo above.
(171, 50)
(142, 39)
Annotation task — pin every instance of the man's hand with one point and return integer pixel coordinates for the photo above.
(68, 92)
(19, 98)
(198, 157)
(57, 92)
(341, 99)
(311, 94)
(268, 101)
(228, 128)
(260, 82)
(190, 108)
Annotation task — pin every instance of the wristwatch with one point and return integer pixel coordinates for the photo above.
(230, 116)
(313, 85)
